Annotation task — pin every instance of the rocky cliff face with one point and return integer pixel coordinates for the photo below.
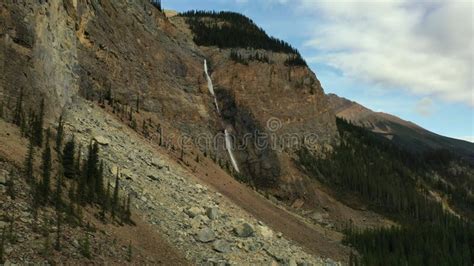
(39, 52)
(60, 50)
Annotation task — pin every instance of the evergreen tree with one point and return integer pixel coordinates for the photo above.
(157, 4)
(18, 116)
(11, 187)
(2, 114)
(59, 134)
(99, 183)
(128, 211)
(46, 170)
(115, 199)
(68, 159)
(129, 252)
(29, 163)
(2, 246)
(138, 103)
(106, 202)
(94, 185)
(82, 184)
(58, 204)
(37, 126)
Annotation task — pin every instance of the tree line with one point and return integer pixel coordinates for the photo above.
(233, 30)
(390, 181)
(245, 59)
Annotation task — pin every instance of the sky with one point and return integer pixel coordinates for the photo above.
(412, 59)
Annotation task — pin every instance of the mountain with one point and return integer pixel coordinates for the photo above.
(197, 138)
(404, 133)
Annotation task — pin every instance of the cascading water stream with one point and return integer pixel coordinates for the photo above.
(228, 141)
(228, 145)
(210, 87)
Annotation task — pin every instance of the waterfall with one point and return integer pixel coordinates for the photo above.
(211, 87)
(209, 81)
(228, 142)
(228, 145)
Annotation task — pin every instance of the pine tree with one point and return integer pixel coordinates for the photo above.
(106, 202)
(68, 159)
(145, 129)
(2, 246)
(129, 252)
(115, 199)
(99, 184)
(58, 203)
(82, 184)
(11, 187)
(160, 131)
(37, 129)
(18, 116)
(157, 4)
(128, 211)
(29, 163)
(94, 186)
(2, 114)
(138, 103)
(78, 161)
(23, 125)
(46, 170)
(60, 134)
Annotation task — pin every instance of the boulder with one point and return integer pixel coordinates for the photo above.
(127, 174)
(205, 235)
(102, 140)
(114, 170)
(265, 232)
(194, 211)
(221, 246)
(212, 213)
(3, 224)
(297, 204)
(244, 230)
(153, 177)
(3, 177)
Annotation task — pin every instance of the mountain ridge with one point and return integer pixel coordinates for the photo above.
(406, 133)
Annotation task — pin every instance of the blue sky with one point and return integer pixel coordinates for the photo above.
(407, 58)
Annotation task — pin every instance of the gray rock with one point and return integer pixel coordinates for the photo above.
(3, 177)
(154, 177)
(252, 246)
(205, 235)
(156, 162)
(9, 263)
(3, 224)
(127, 174)
(212, 213)
(244, 230)
(317, 217)
(193, 211)
(102, 140)
(221, 246)
(265, 231)
(289, 262)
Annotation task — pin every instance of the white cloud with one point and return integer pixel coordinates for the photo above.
(424, 47)
(424, 107)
